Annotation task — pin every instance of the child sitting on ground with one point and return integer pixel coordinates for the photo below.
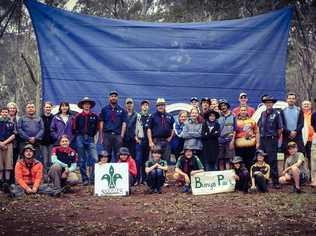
(260, 173)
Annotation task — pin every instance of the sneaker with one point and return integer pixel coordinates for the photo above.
(159, 190)
(186, 189)
(6, 187)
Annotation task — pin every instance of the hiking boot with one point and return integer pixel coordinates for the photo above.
(6, 187)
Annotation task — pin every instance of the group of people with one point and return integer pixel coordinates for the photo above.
(211, 136)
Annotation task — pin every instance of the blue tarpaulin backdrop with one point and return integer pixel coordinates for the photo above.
(89, 56)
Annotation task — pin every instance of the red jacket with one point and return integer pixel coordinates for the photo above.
(131, 165)
(28, 175)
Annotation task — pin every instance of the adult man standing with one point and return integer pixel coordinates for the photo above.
(85, 126)
(112, 128)
(129, 138)
(243, 100)
(205, 106)
(309, 131)
(270, 129)
(31, 129)
(293, 123)
(160, 129)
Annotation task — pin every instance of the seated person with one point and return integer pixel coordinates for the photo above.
(124, 156)
(64, 163)
(260, 173)
(241, 175)
(155, 170)
(103, 157)
(187, 165)
(29, 175)
(295, 168)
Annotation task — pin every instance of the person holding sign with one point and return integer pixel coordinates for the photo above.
(186, 166)
(124, 156)
(260, 173)
(103, 157)
(155, 170)
(241, 175)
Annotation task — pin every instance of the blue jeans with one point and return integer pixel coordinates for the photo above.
(156, 179)
(87, 153)
(142, 153)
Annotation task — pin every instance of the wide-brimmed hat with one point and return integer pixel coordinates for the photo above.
(123, 151)
(210, 112)
(236, 159)
(223, 101)
(103, 153)
(268, 98)
(194, 99)
(86, 100)
(28, 146)
(160, 101)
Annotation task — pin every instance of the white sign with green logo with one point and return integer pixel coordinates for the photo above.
(213, 182)
(111, 179)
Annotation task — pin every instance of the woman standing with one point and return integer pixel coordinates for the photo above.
(192, 133)
(247, 137)
(177, 142)
(61, 124)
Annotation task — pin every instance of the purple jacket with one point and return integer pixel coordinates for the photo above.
(59, 128)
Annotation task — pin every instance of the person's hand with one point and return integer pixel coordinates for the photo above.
(284, 172)
(293, 134)
(34, 190)
(32, 140)
(151, 145)
(169, 139)
(232, 145)
(236, 177)
(253, 187)
(2, 144)
(257, 145)
(186, 178)
(137, 140)
(28, 190)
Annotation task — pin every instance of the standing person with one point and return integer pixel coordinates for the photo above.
(142, 149)
(31, 129)
(178, 125)
(241, 176)
(214, 104)
(129, 138)
(247, 137)
(309, 131)
(192, 133)
(47, 141)
(85, 125)
(227, 122)
(113, 119)
(295, 168)
(205, 106)
(293, 123)
(260, 173)
(160, 129)
(210, 134)
(156, 171)
(124, 156)
(186, 166)
(270, 129)
(62, 124)
(13, 114)
(64, 159)
(7, 136)
(243, 101)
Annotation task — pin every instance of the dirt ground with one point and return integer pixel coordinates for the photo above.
(169, 213)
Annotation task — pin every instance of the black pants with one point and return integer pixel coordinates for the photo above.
(156, 178)
(308, 152)
(261, 183)
(112, 144)
(247, 154)
(243, 183)
(270, 146)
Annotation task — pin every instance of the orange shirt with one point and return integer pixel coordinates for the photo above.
(307, 123)
(28, 176)
(245, 126)
(250, 111)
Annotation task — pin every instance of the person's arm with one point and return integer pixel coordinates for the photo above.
(267, 175)
(149, 169)
(180, 172)
(150, 139)
(257, 133)
(171, 136)
(19, 177)
(133, 168)
(53, 130)
(253, 184)
(41, 130)
(72, 167)
(56, 161)
(21, 131)
(9, 140)
(164, 167)
(300, 123)
(38, 177)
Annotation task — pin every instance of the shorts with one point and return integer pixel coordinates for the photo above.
(225, 152)
(6, 158)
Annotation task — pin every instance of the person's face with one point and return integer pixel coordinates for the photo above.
(130, 106)
(188, 154)
(223, 107)
(123, 157)
(260, 158)
(291, 100)
(113, 99)
(28, 153)
(86, 106)
(195, 103)
(4, 113)
(156, 156)
(64, 142)
(145, 107)
(194, 114)
(64, 109)
(214, 104)
(212, 117)
(30, 109)
(237, 165)
(243, 100)
(161, 107)
(104, 159)
(47, 108)
(243, 112)
(205, 105)
(183, 117)
(12, 110)
(269, 105)
(292, 150)
(306, 106)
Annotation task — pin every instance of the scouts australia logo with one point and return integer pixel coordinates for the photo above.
(111, 178)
